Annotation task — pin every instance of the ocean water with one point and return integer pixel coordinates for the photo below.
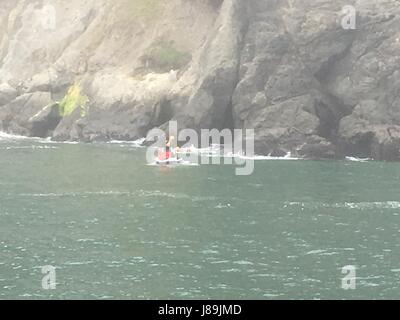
(116, 228)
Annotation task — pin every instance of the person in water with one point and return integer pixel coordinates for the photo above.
(167, 154)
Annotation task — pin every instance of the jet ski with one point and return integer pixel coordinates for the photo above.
(169, 161)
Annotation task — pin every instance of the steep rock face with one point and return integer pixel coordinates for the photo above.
(206, 102)
(285, 68)
(121, 54)
(303, 74)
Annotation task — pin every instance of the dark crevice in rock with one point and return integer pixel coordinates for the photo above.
(217, 83)
(330, 113)
(46, 122)
(325, 71)
(329, 109)
(328, 122)
(228, 121)
(163, 112)
(359, 146)
(230, 118)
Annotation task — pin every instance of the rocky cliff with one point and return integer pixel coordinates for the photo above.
(100, 70)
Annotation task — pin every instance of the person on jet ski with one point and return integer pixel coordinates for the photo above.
(167, 153)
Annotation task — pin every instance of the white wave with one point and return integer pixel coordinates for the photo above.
(369, 205)
(137, 193)
(243, 262)
(222, 206)
(78, 263)
(216, 150)
(318, 251)
(49, 141)
(77, 194)
(212, 150)
(137, 142)
(288, 156)
(348, 205)
(11, 137)
(355, 159)
(157, 193)
(33, 147)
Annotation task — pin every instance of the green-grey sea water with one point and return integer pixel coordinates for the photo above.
(116, 228)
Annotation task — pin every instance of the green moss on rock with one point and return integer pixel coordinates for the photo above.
(165, 56)
(72, 100)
